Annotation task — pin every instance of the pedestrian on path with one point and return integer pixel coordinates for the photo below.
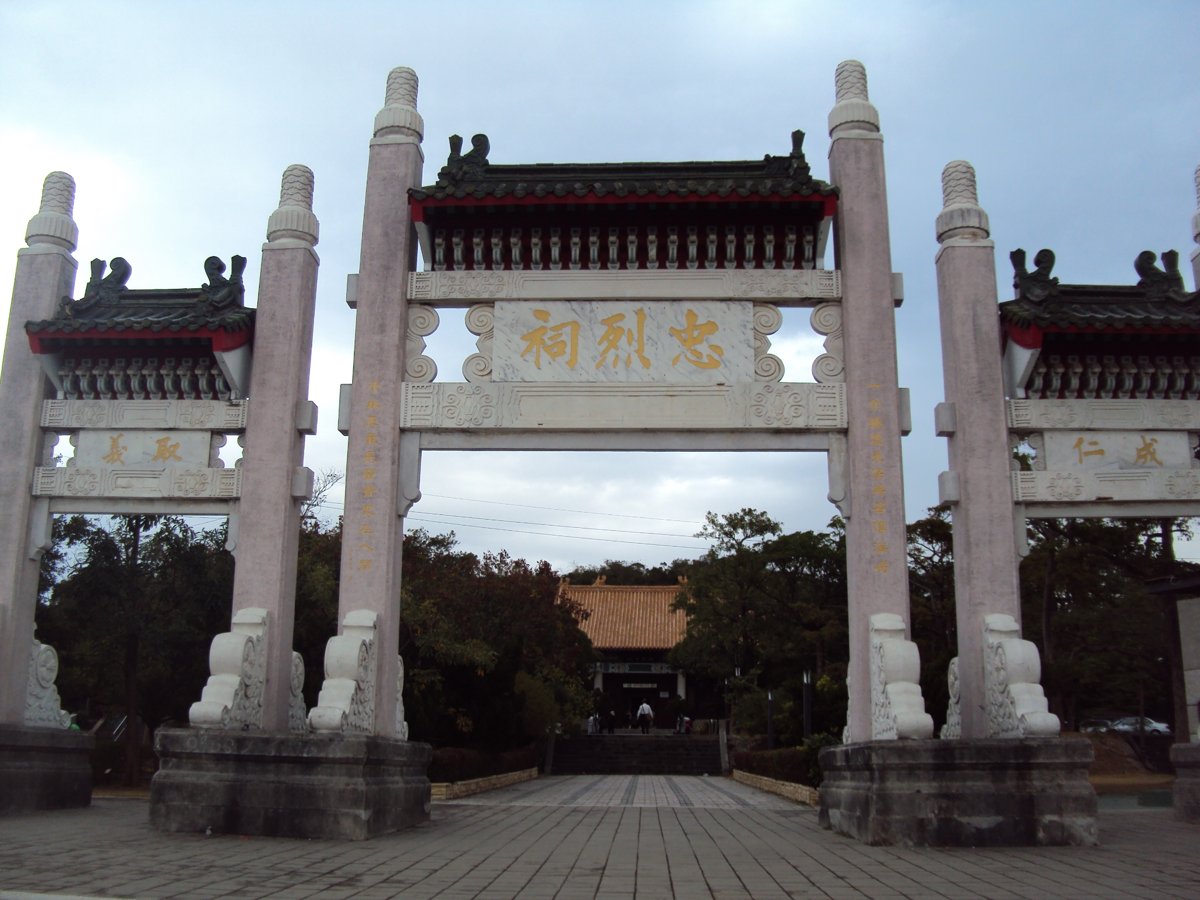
(645, 716)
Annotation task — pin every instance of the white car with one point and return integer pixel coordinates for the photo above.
(1130, 725)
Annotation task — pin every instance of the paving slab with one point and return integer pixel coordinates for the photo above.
(583, 837)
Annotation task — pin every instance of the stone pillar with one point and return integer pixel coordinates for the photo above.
(274, 481)
(45, 274)
(877, 572)
(381, 475)
(1196, 236)
(979, 483)
(681, 685)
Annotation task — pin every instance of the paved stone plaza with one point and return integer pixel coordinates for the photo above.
(584, 836)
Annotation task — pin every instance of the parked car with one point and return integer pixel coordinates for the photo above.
(1100, 725)
(1132, 725)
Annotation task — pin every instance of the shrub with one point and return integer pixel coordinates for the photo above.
(462, 764)
(796, 764)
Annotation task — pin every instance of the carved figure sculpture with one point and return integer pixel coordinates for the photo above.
(1012, 674)
(233, 695)
(897, 707)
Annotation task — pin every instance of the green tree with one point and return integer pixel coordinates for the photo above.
(133, 617)
(493, 656)
(764, 608)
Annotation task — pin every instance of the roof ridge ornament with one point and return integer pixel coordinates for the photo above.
(101, 288)
(1160, 284)
(1037, 285)
(465, 166)
(220, 291)
(794, 164)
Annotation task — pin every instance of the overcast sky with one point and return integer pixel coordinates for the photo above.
(177, 119)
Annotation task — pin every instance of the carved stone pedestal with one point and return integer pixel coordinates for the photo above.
(350, 787)
(987, 793)
(44, 768)
(1186, 793)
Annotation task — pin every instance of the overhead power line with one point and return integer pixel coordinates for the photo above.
(567, 537)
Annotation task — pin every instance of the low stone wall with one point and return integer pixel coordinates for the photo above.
(801, 793)
(452, 790)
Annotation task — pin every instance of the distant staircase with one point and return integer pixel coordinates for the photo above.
(636, 754)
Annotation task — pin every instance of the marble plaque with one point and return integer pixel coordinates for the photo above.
(142, 449)
(654, 342)
(1116, 450)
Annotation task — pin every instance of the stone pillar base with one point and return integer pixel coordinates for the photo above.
(1186, 793)
(350, 787)
(44, 768)
(987, 793)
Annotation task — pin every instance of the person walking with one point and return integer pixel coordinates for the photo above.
(645, 717)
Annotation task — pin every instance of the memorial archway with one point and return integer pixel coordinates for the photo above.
(629, 306)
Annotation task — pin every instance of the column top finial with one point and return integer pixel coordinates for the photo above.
(852, 110)
(850, 81)
(401, 87)
(53, 223)
(294, 219)
(961, 215)
(399, 116)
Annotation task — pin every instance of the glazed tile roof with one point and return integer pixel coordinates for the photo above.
(629, 618)
(1101, 307)
(109, 309)
(473, 176)
(1157, 301)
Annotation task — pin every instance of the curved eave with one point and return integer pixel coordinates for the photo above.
(220, 339)
(481, 199)
(1031, 335)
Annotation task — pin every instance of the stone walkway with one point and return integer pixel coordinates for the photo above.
(584, 837)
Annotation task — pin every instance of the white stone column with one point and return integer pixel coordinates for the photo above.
(380, 477)
(877, 573)
(45, 274)
(1196, 236)
(274, 481)
(681, 685)
(979, 483)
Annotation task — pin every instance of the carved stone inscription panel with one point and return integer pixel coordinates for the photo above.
(547, 407)
(142, 449)
(1116, 450)
(657, 342)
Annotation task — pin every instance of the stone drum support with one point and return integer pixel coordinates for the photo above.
(877, 572)
(40, 767)
(377, 495)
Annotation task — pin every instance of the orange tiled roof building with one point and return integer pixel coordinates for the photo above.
(633, 628)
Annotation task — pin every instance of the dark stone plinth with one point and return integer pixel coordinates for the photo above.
(989, 793)
(44, 768)
(306, 786)
(1186, 792)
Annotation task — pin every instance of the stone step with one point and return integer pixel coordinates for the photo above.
(637, 754)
